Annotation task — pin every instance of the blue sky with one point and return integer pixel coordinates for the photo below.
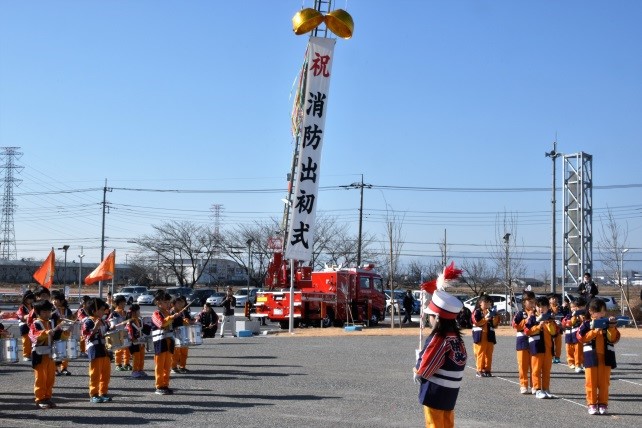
(196, 96)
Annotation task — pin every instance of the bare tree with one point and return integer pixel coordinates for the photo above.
(479, 275)
(505, 254)
(182, 248)
(612, 245)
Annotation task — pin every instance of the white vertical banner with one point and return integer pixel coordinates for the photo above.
(319, 58)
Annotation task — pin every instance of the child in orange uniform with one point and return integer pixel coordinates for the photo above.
(179, 358)
(599, 335)
(521, 346)
(118, 316)
(541, 329)
(42, 333)
(485, 320)
(163, 337)
(137, 349)
(93, 332)
(63, 312)
(556, 313)
(23, 313)
(571, 323)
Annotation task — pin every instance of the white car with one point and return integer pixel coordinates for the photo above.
(147, 298)
(216, 299)
(499, 301)
(131, 293)
(241, 296)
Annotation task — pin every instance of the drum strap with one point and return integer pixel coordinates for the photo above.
(160, 335)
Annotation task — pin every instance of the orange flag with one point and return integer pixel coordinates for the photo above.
(105, 270)
(45, 273)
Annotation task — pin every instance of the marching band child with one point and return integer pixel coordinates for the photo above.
(485, 320)
(163, 337)
(557, 340)
(179, 358)
(441, 363)
(571, 323)
(42, 333)
(541, 329)
(23, 314)
(81, 314)
(521, 346)
(116, 318)
(137, 349)
(63, 312)
(599, 336)
(93, 331)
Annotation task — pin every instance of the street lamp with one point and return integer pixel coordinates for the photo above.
(65, 248)
(508, 294)
(627, 282)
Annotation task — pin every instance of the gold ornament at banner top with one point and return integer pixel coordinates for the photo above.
(306, 20)
(340, 23)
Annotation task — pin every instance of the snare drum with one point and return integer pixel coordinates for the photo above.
(59, 350)
(117, 339)
(8, 350)
(75, 331)
(181, 336)
(195, 334)
(188, 335)
(73, 349)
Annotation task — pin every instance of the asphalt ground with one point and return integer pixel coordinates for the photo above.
(306, 380)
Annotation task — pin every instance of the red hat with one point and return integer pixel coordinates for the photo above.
(444, 305)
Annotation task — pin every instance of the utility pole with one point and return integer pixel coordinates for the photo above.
(80, 256)
(553, 154)
(359, 185)
(102, 236)
(509, 294)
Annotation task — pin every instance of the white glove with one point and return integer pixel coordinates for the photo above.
(416, 378)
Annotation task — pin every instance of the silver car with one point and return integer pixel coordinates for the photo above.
(216, 299)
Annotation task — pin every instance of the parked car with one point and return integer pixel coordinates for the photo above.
(241, 296)
(199, 296)
(131, 293)
(611, 304)
(147, 298)
(499, 301)
(216, 299)
(178, 291)
(398, 302)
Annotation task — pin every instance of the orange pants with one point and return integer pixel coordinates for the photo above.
(597, 383)
(122, 356)
(541, 365)
(45, 375)
(82, 346)
(574, 354)
(484, 356)
(557, 341)
(99, 375)
(26, 346)
(139, 359)
(179, 358)
(63, 364)
(439, 418)
(523, 366)
(162, 365)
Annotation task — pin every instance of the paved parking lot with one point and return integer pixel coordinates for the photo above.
(349, 380)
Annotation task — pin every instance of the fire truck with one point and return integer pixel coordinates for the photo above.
(333, 296)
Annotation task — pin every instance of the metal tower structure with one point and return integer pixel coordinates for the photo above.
(578, 218)
(8, 245)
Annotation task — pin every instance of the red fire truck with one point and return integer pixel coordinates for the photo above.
(333, 296)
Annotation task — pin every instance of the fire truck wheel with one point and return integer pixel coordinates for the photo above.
(328, 321)
(374, 318)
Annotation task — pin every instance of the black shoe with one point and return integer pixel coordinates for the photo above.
(161, 391)
(65, 372)
(169, 391)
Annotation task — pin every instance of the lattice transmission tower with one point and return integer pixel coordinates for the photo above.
(8, 245)
(578, 218)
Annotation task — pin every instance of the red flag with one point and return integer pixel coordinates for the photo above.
(45, 273)
(105, 270)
